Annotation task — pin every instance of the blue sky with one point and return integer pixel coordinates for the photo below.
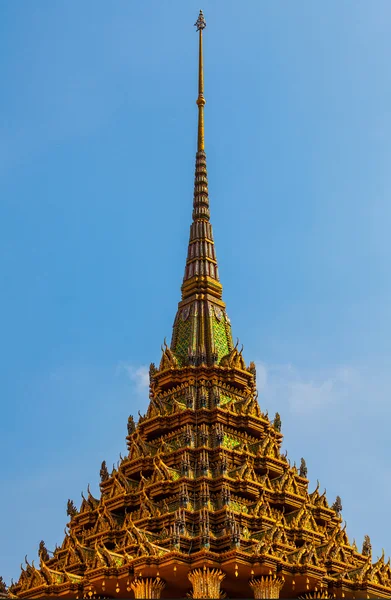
(97, 144)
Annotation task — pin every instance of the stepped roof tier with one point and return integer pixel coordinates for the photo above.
(204, 505)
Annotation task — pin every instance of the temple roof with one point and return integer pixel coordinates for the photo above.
(204, 487)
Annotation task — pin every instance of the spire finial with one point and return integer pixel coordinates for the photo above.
(200, 24)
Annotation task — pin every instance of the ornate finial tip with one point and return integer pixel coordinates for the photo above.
(200, 23)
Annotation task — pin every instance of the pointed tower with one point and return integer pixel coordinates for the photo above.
(204, 505)
(202, 330)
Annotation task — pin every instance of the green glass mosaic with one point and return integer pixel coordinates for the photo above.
(238, 507)
(224, 399)
(220, 337)
(174, 474)
(183, 340)
(230, 442)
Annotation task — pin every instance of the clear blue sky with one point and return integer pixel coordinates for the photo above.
(97, 144)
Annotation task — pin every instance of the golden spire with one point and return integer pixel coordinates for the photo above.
(200, 24)
(202, 331)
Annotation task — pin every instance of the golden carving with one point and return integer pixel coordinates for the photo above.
(267, 586)
(234, 359)
(206, 582)
(147, 588)
(168, 360)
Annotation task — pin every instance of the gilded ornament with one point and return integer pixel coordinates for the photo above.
(277, 422)
(104, 473)
(337, 506)
(71, 509)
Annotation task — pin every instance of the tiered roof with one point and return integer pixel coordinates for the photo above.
(205, 503)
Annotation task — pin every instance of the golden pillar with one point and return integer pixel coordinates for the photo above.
(147, 587)
(267, 586)
(206, 582)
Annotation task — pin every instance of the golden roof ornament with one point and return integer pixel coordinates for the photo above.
(303, 468)
(277, 422)
(42, 551)
(3, 587)
(337, 505)
(367, 546)
(131, 425)
(71, 509)
(200, 23)
(104, 473)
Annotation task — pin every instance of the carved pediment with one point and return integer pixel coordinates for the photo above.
(234, 360)
(306, 554)
(117, 488)
(262, 509)
(129, 539)
(168, 360)
(161, 471)
(264, 480)
(100, 560)
(272, 449)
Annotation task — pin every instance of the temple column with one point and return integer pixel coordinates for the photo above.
(147, 587)
(267, 586)
(206, 582)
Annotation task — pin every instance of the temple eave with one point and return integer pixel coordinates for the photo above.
(175, 376)
(239, 569)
